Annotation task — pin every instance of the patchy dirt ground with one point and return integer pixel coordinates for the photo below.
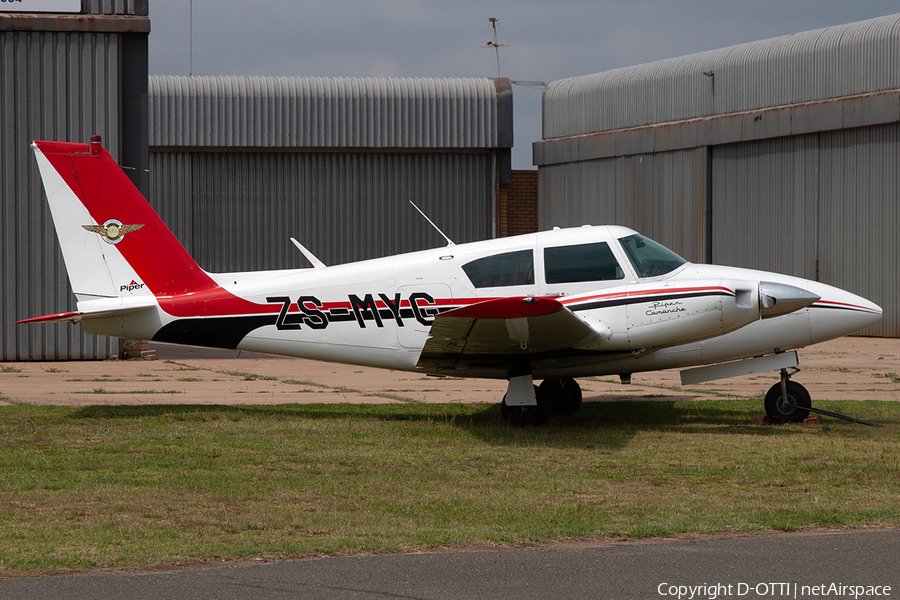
(850, 368)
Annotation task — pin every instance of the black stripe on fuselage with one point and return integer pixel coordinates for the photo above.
(212, 332)
(591, 305)
(847, 308)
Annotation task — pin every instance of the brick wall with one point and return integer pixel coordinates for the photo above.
(518, 204)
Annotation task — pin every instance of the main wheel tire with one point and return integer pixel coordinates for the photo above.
(780, 410)
(521, 416)
(563, 395)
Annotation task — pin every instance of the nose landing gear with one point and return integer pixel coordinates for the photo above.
(788, 401)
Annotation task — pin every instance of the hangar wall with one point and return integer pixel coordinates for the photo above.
(241, 164)
(237, 165)
(779, 155)
(822, 206)
(661, 195)
(62, 77)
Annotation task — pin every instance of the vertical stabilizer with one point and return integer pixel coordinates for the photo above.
(113, 242)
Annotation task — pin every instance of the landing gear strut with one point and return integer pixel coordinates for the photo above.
(520, 416)
(553, 396)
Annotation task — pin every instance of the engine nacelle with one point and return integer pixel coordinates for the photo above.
(651, 315)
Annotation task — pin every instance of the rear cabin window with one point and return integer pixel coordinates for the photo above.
(584, 262)
(501, 270)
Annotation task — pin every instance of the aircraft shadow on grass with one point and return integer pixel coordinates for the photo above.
(607, 424)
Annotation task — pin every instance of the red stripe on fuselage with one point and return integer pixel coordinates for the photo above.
(653, 292)
(215, 302)
(843, 305)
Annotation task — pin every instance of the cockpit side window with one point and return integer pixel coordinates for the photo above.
(502, 270)
(649, 258)
(582, 262)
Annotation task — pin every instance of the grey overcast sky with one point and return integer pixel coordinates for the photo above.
(551, 39)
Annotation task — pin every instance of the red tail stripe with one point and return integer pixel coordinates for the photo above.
(153, 252)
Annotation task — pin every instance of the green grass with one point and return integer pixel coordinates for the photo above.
(133, 487)
(249, 376)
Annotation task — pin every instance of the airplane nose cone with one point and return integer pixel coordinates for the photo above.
(777, 299)
(841, 313)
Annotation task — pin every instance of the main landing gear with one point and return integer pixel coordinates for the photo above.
(552, 397)
(786, 402)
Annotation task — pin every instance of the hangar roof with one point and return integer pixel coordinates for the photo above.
(833, 62)
(317, 112)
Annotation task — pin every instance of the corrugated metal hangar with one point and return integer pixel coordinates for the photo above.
(780, 155)
(62, 77)
(239, 165)
(235, 165)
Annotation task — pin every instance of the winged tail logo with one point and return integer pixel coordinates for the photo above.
(112, 231)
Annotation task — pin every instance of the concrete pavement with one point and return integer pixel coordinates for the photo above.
(828, 565)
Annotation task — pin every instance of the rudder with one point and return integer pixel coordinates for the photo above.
(113, 242)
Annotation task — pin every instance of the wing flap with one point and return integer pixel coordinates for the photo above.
(501, 330)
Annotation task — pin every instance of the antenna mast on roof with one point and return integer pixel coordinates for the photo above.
(494, 44)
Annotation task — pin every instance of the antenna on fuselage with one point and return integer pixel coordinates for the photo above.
(316, 263)
(430, 222)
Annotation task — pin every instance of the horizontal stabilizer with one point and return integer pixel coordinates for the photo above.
(77, 317)
(70, 317)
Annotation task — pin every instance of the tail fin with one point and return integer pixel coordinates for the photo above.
(114, 244)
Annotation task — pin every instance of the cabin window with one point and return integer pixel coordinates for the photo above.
(501, 270)
(649, 258)
(583, 262)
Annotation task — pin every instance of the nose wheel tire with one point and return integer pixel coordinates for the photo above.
(792, 409)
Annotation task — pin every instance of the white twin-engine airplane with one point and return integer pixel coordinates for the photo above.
(550, 306)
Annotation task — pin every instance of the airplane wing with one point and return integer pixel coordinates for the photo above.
(502, 330)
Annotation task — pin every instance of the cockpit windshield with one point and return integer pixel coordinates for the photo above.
(649, 258)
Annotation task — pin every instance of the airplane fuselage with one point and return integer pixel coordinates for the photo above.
(379, 312)
(552, 306)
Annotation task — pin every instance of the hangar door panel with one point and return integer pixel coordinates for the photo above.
(859, 249)
(236, 211)
(661, 195)
(816, 206)
(764, 205)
